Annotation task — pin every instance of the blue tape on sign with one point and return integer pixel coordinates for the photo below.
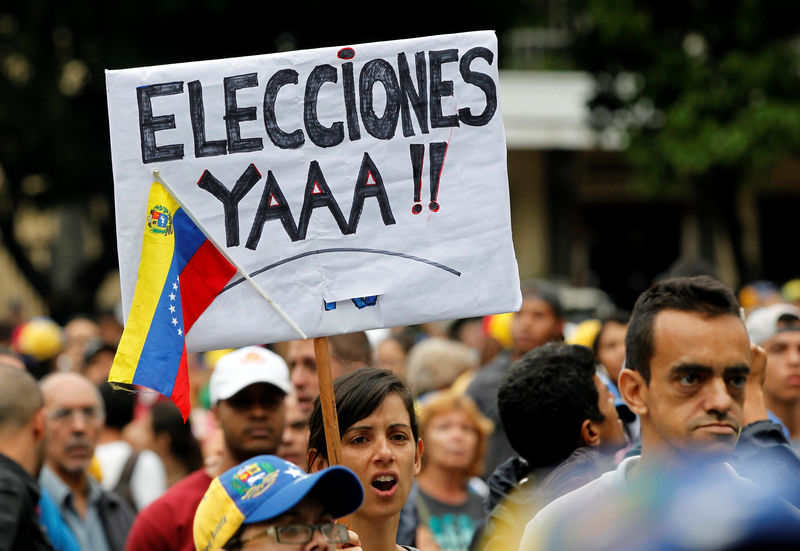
(363, 302)
(329, 306)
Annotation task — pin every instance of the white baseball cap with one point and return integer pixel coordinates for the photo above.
(766, 322)
(244, 367)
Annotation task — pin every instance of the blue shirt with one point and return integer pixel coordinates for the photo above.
(88, 530)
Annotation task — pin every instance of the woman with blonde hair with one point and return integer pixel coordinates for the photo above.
(456, 436)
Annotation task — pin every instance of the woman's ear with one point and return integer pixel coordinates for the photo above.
(589, 435)
(315, 461)
(634, 390)
(418, 457)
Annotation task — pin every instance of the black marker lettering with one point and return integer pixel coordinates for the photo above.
(369, 184)
(149, 125)
(418, 97)
(273, 205)
(353, 131)
(320, 135)
(197, 112)
(280, 138)
(234, 114)
(230, 199)
(441, 88)
(318, 194)
(379, 70)
(482, 81)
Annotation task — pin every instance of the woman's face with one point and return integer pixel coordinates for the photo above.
(451, 441)
(381, 450)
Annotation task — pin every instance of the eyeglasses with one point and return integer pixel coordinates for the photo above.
(90, 414)
(302, 533)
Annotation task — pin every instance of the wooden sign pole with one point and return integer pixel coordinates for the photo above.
(327, 401)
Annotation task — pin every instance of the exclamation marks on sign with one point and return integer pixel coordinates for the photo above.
(417, 154)
(438, 151)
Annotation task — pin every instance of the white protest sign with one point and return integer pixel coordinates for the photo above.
(360, 187)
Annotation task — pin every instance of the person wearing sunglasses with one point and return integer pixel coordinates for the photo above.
(267, 503)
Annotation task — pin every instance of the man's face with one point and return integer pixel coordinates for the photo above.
(612, 434)
(698, 373)
(534, 325)
(308, 511)
(782, 383)
(252, 420)
(294, 441)
(74, 419)
(303, 373)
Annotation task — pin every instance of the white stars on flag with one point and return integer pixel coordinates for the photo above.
(176, 322)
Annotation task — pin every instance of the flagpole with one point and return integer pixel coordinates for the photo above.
(224, 252)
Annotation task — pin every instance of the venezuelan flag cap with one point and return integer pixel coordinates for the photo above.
(263, 488)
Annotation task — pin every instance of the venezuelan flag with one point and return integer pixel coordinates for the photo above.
(180, 274)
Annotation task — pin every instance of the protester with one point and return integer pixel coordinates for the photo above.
(688, 360)
(138, 476)
(560, 419)
(609, 352)
(272, 502)
(348, 352)
(392, 354)
(435, 363)
(22, 434)
(95, 518)
(172, 439)
(10, 358)
(380, 443)
(246, 390)
(447, 509)
(294, 440)
(777, 329)
(539, 320)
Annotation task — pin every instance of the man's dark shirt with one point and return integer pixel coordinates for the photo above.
(19, 496)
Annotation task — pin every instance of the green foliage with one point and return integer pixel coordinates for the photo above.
(715, 85)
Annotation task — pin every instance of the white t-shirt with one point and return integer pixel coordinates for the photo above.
(149, 479)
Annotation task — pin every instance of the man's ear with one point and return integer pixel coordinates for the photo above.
(418, 457)
(37, 423)
(634, 390)
(589, 434)
(315, 461)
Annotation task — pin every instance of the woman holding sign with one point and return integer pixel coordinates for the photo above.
(380, 443)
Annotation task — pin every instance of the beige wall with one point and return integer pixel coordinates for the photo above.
(529, 220)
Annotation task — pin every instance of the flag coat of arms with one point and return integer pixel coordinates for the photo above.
(180, 274)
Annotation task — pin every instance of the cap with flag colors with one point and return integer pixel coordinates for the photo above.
(266, 487)
(180, 274)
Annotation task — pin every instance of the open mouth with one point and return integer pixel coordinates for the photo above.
(385, 484)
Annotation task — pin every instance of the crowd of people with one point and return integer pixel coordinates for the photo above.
(673, 426)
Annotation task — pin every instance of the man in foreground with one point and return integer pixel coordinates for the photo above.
(247, 391)
(21, 455)
(688, 361)
(268, 503)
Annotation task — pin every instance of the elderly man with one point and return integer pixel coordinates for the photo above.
(247, 391)
(21, 455)
(96, 519)
(267, 503)
(688, 362)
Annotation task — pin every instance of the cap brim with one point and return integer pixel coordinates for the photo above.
(228, 391)
(340, 492)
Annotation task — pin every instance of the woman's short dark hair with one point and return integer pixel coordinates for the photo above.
(358, 395)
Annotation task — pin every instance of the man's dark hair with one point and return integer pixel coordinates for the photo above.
(543, 400)
(620, 317)
(166, 418)
(544, 291)
(119, 404)
(700, 294)
(357, 395)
